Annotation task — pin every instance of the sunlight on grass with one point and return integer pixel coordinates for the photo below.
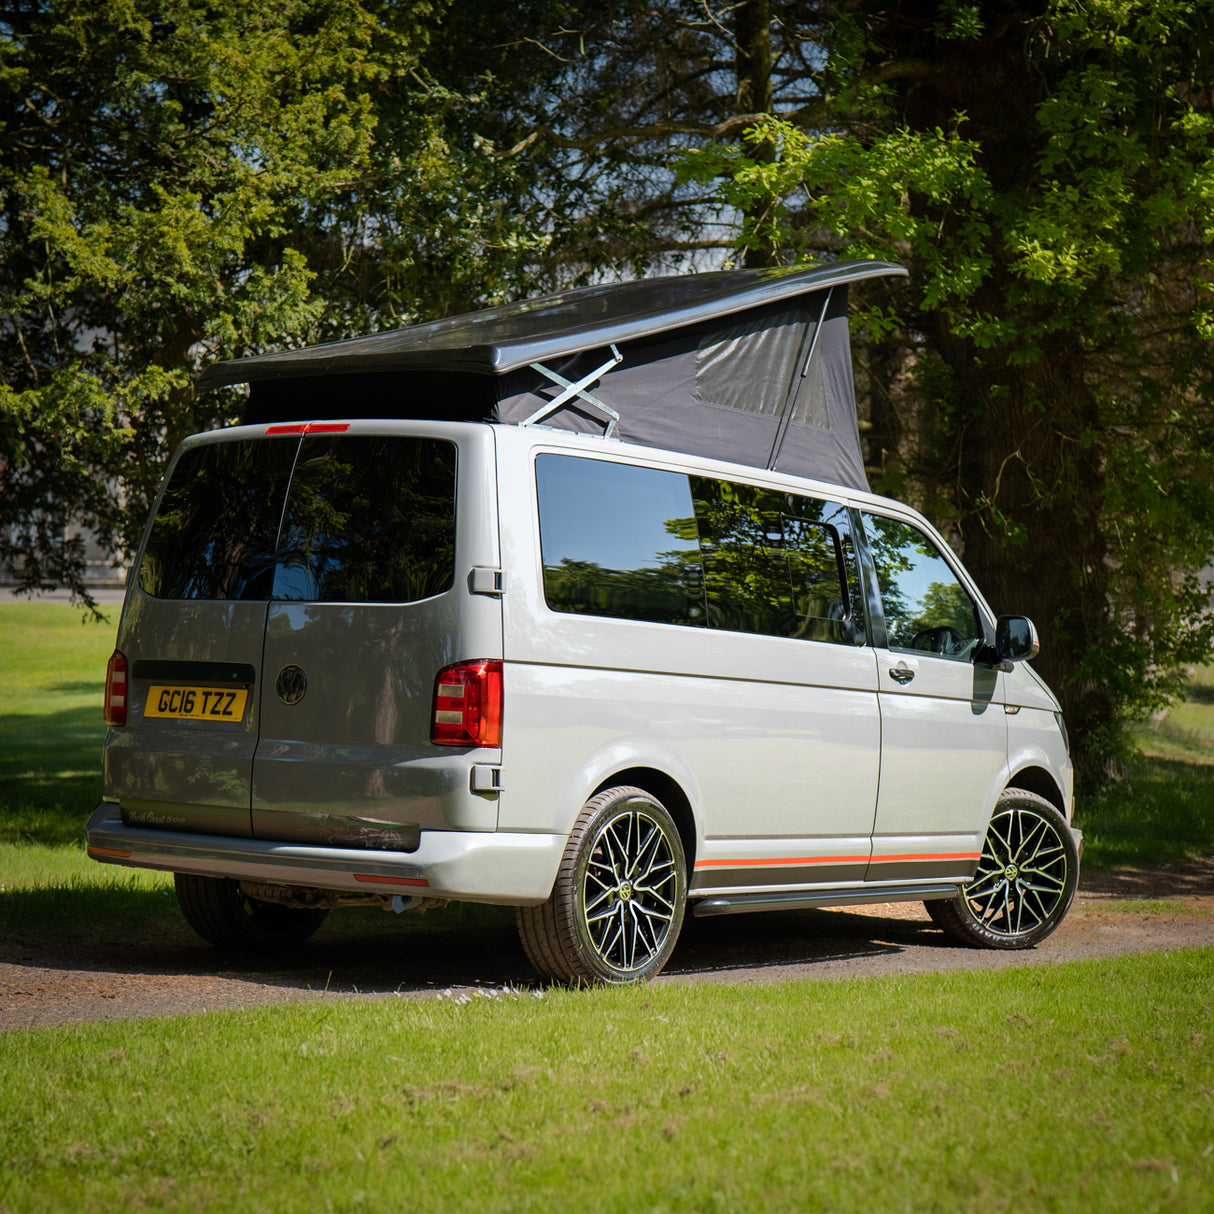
(49, 655)
(52, 683)
(1185, 732)
(1063, 1088)
(1164, 807)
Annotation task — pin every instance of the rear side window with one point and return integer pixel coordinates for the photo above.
(319, 519)
(774, 563)
(619, 541)
(646, 544)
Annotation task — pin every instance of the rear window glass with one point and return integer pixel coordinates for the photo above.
(217, 527)
(646, 544)
(366, 519)
(619, 541)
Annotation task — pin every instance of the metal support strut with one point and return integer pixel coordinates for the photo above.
(579, 390)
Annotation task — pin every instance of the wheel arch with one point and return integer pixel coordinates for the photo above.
(1039, 781)
(670, 793)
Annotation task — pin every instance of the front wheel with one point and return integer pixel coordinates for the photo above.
(1025, 881)
(222, 914)
(617, 905)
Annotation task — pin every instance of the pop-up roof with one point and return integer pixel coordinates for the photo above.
(752, 366)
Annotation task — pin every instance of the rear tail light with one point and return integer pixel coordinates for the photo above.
(115, 690)
(468, 705)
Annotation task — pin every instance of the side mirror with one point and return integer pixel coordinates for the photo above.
(1016, 638)
(1015, 641)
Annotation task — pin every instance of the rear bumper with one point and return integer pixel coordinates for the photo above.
(511, 869)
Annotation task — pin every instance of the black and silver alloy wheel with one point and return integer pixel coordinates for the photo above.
(618, 902)
(629, 889)
(1025, 880)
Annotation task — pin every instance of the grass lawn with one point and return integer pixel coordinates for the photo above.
(1164, 808)
(1076, 1087)
(1060, 1088)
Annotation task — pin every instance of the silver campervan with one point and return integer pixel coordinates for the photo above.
(582, 606)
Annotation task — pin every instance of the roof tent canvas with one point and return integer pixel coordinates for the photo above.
(752, 366)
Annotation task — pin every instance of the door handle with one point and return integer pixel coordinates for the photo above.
(901, 673)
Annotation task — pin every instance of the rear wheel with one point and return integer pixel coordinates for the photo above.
(617, 905)
(1025, 881)
(219, 911)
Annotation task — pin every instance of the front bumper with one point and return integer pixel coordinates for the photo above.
(511, 869)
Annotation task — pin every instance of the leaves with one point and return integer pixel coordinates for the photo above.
(1058, 403)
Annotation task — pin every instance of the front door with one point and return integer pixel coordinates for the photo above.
(943, 724)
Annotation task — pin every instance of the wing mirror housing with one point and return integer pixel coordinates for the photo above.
(1015, 641)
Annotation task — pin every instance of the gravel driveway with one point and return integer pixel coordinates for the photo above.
(52, 984)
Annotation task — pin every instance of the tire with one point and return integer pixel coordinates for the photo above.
(1025, 881)
(221, 914)
(617, 906)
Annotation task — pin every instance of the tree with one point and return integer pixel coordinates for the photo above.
(183, 180)
(1043, 384)
(636, 84)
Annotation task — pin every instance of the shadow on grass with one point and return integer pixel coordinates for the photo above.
(1162, 811)
(50, 775)
(91, 687)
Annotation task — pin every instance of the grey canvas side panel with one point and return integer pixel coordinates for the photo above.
(822, 440)
(730, 390)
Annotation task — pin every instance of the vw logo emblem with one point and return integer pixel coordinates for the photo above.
(291, 684)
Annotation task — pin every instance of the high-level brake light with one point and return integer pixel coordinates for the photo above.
(310, 428)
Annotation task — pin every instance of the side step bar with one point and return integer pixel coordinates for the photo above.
(740, 904)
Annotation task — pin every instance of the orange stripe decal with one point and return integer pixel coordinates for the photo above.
(780, 862)
(757, 863)
(944, 855)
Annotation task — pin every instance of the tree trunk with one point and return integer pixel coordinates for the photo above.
(752, 69)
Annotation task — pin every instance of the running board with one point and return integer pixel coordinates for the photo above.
(739, 904)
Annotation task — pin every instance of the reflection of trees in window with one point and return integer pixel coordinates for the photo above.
(369, 519)
(773, 563)
(214, 534)
(946, 605)
(664, 594)
(758, 561)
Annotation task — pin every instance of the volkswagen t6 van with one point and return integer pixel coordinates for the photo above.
(578, 606)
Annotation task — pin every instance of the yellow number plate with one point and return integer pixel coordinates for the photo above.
(197, 703)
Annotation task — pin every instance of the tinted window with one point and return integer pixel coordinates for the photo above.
(774, 563)
(217, 526)
(367, 519)
(645, 544)
(926, 608)
(618, 541)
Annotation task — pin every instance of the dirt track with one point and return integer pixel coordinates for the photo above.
(44, 985)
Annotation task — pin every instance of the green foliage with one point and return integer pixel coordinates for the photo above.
(1053, 206)
(182, 181)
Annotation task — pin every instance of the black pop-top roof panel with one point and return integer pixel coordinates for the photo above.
(499, 340)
